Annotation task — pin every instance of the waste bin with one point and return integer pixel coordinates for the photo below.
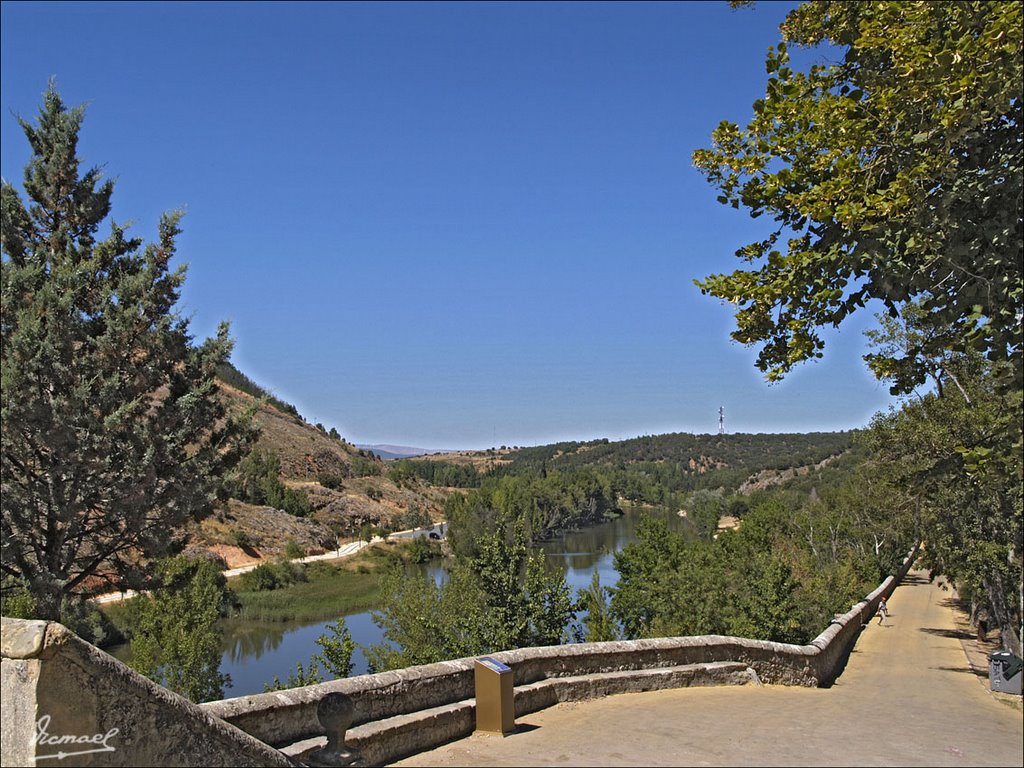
(1004, 672)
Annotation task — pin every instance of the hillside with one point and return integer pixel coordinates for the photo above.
(361, 493)
(350, 490)
(700, 453)
(680, 460)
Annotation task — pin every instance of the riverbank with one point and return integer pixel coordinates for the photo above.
(330, 588)
(325, 589)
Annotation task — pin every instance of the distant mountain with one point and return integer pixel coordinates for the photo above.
(398, 451)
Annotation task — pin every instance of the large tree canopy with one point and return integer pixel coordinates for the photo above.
(953, 462)
(112, 431)
(893, 174)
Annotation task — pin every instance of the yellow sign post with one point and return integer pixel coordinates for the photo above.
(495, 698)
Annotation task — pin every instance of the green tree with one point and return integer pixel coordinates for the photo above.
(302, 676)
(640, 597)
(893, 174)
(415, 517)
(176, 638)
(955, 461)
(257, 480)
(704, 509)
(424, 622)
(598, 624)
(336, 649)
(766, 606)
(501, 598)
(112, 431)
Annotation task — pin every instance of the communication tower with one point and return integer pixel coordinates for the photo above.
(721, 420)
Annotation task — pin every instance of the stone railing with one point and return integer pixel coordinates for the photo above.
(66, 699)
(428, 705)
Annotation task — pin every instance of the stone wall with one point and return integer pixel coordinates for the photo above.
(63, 695)
(285, 717)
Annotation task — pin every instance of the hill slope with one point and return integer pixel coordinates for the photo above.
(732, 461)
(361, 493)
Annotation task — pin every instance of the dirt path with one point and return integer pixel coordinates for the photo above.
(907, 697)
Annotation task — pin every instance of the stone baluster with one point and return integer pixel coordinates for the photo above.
(335, 713)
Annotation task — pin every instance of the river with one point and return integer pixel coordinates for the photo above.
(254, 652)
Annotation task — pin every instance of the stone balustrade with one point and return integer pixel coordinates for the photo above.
(441, 694)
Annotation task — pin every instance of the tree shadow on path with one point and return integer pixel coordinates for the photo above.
(955, 634)
(914, 578)
(966, 670)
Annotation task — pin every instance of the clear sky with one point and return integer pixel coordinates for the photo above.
(442, 225)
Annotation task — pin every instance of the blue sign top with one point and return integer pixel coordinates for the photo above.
(494, 664)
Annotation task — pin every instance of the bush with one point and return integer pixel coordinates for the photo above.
(331, 480)
(270, 576)
(260, 579)
(319, 570)
(16, 602)
(295, 502)
(363, 467)
(293, 550)
(423, 550)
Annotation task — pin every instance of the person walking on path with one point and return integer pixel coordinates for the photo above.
(883, 611)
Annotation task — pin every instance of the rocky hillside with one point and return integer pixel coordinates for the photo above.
(768, 478)
(349, 490)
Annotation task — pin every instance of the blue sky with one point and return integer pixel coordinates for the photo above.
(445, 225)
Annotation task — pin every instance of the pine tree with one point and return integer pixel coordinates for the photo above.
(112, 431)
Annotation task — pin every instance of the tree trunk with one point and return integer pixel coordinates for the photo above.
(1003, 616)
(48, 598)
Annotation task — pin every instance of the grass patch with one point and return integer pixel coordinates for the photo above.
(349, 586)
(322, 598)
(327, 590)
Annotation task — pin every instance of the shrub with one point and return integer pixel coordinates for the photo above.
(270, 576)
(295, 502)
(363, 467)
(423, 550)
(261, 579)
(331, 480)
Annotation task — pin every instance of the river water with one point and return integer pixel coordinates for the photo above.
(254, 652)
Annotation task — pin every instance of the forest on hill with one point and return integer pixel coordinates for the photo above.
(738, 451)
(566, 485)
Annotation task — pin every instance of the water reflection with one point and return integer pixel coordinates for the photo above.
(251, 639)
(282, 646)
(580, 552)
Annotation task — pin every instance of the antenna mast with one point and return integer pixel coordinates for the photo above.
(721, 420)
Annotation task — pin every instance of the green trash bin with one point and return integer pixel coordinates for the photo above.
(1004, 672)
